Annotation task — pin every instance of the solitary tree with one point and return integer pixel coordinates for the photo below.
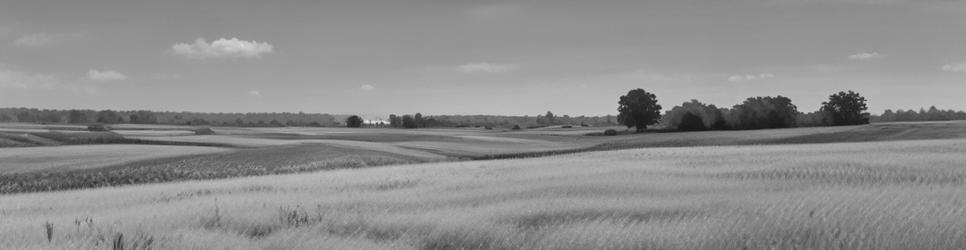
(846, 108)
(353, 121)
(638, 109)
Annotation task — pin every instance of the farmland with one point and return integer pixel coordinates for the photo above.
(865, 195)
(67, 157)
(878, 186)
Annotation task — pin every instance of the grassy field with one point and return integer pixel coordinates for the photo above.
(867, 195)
(79, 157)
(195, 164)
(89, 159)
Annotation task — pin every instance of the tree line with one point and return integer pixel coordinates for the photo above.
(78, 116)
(300, 119)
(639, 109)
(932, 114)
(418, 120)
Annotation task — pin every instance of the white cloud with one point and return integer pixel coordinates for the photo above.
(23, 80)
(233, 47)
(255, 93)
(865, 56)
(44, 39)
(367, 87)
(748, 77)
(485, 68)
(34, 40)
(107, 75)
(954, 67)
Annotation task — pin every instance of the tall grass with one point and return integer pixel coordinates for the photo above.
(895, 195)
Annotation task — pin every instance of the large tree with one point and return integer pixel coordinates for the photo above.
(638, 109)
(353, 121)
(846, 108)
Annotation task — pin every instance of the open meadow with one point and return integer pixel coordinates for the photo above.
(44, 158)
(878, 186)
(869, 195)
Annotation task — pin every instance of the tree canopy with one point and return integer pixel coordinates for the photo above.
(638, 109)
(847, 108)
(353, 121)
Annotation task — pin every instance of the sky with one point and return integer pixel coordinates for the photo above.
(475, 57)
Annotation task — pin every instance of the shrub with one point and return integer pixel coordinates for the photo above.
(204, 131)
(566, 126)
(516, 127)
(97, 128)
(610, 132)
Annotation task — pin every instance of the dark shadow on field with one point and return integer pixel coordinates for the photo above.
(884, 132)
(864, 133)
(244, 162)
(54, 138)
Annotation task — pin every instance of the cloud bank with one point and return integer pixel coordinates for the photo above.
(954, 67)
(34, 40)
(742, 78)
(485, 68)
(107, 75)
(865, 56)
(226, 48)
(23, 80)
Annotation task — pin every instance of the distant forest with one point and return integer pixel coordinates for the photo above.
(707, 117)
(76, 116)
(932, 114)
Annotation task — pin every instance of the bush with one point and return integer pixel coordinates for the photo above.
(516, 127)
(204, 131)
(610, 132)
(566, 126)
(97, 128)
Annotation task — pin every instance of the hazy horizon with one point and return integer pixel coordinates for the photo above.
(475, 57)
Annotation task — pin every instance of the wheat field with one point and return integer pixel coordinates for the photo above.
(871, 195)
